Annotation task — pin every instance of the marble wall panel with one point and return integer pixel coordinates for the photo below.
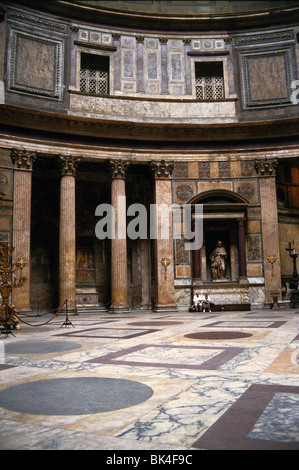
(266, 77)
(182, 297)
(254, 248)
(183, 271)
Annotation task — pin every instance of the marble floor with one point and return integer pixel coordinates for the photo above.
(179, 381)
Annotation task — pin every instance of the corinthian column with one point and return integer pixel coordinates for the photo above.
(23, 162)
(162, 171)
(119, 283)
(67, 233)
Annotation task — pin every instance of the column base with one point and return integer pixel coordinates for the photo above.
(23, 310)
(116, 310)
(165, 308)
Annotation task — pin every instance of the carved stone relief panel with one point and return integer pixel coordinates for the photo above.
(248, 189)
(204, 169)
(224, 169)
(36, 52)
(4, 183)
(182, 256)
(183, 192)
(254, 247)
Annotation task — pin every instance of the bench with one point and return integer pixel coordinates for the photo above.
(228, 307)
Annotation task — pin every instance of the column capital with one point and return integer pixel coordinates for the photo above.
(22, 159)
(163, 40)
(118, 168)
(68, 164)
(162, 169)
(266, 167)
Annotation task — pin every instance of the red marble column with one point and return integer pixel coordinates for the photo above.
(119, 283)
(196, 255)
(242, 250)
(23, 162)
(67, 233)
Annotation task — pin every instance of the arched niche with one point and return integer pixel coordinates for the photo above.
(224, 216)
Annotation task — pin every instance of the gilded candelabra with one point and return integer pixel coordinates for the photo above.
(9, 281)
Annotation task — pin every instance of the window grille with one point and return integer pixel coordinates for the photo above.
(94, 74)
(209, 83)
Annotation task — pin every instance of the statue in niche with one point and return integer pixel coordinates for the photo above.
(218, 258)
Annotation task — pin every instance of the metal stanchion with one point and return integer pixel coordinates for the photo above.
(67, 322)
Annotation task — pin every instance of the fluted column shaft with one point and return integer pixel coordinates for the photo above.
(22, 222)
(67, 233)
(119, 282)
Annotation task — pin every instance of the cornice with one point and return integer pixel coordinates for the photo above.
(25, 118)
(130, 19)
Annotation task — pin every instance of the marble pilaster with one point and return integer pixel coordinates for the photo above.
(23, 163)
(266, 169)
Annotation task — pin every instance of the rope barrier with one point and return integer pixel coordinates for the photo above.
(57, 312)
(42, 324)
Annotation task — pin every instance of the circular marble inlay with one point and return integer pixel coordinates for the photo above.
(32, 329)
(40, 347)
(218, 335)
(74, 396)
(156, 323)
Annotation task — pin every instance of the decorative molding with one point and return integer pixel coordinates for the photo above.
(254, 39)
(162, 169)
(66, 124)
(118, 168)
(93, 45)
(68, 164)
(208, 53)
(22, 159)
(35, 20)
(266, 167)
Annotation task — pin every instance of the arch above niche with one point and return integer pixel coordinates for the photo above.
(228, 197)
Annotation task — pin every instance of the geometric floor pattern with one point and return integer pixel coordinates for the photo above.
(148, 381)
